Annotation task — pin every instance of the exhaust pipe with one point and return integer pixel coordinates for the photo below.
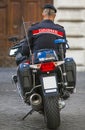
(36, 101)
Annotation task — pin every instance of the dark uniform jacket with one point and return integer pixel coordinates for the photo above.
(42, 35)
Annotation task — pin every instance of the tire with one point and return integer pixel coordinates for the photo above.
(51, 112)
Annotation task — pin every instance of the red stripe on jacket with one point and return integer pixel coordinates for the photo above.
(47, 30)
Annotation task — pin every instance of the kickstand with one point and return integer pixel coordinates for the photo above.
(30, 112)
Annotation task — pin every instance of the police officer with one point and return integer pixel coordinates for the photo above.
(42, 35)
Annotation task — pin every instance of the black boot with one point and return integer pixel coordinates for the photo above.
(14, 78)
(66, 95)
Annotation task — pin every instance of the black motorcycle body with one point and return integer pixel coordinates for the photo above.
(42, 79)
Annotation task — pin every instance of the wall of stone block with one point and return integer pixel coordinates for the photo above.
(71, 15)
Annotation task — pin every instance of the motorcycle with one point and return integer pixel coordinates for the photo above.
(43, 79)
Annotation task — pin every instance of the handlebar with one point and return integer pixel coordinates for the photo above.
(16, 46)
(62, 41)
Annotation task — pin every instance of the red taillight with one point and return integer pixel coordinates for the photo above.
(45, 67)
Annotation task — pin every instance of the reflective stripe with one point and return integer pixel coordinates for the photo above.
(47, 30)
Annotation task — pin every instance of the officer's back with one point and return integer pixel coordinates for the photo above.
(43, 34)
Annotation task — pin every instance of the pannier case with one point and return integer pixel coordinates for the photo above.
(70, 67)
(24, 77)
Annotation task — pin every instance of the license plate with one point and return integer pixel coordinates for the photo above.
(49, 83)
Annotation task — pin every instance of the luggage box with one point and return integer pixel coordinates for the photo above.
(25, 78)
(70, 67)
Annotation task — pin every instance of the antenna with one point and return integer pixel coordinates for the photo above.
(27, 38)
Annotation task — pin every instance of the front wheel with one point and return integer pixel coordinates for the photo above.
(51, 112)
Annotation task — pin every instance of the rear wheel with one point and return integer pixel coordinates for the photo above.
(51, 111)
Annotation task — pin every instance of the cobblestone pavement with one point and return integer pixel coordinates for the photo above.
(12, 108)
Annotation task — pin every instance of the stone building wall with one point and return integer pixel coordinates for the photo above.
(71, 15)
